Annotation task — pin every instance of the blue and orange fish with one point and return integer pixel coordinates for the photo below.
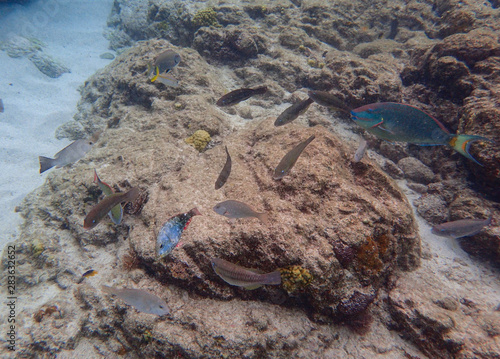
(171, 232)
(398, 122)
(116, 213)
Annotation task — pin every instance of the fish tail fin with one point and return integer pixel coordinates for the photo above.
(273, 277)
(116, 214)
(156, 72)
(46, 163)
(461, 144)
(96, 177)
(195, 211)
(263, 217)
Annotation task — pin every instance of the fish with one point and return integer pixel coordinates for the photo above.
(171, 232)
(237, 209)
(1, 105)
(162, 65)
(399, 122)
(99, 211)
(324, 98)
(89, 273)
(243, 277)
(224, 174)
(461, 228)
(239, 95)
(288, 161)
(68, 155)
(360, 152)
(292, 112)
(116, 213)
(139, 299)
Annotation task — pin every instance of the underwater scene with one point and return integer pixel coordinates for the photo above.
(250, 179)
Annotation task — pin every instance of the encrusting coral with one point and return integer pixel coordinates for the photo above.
(199, 140)
(205, 17)
(295, 278)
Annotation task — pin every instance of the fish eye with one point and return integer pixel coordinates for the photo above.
(161, 306)
(161, 245)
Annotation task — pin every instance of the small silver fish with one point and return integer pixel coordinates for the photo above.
(237, 209)
(292, 112)
(140, 299)
(224, 174)
(360, 152)
(239, 95)
(288, 161)
(1, 105)
(68, 155)
(461, 228)
(243, 277)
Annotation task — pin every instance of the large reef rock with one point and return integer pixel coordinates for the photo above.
(345, 223)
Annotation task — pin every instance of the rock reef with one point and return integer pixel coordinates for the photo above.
(343, 234)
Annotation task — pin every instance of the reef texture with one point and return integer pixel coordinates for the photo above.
(342, 233)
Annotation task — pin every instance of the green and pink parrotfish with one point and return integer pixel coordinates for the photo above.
(398, 122)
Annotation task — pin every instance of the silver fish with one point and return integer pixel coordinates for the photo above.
(224, 174)
(292, 112)
(461, 228)
(237, 209)
(360, 152)
(68, 155)
(141, 300)
(243, 277)
(162, 65)
(288, 161)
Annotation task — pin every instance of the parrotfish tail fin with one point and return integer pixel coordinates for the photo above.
(273, 277)
(156, 73)
(166, 80)
(195, 212)
(45, 163)
(107, 289)
(461, 144)
(263, 217)
(96, 177)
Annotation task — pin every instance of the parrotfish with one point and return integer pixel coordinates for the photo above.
(461, 228)
(237, 209)
(398, 122)
(292, 112)
(140, 299)
(116, 213)
(243, 277)
(171, 232)
(162, 65)
(324, 98)
(288, 161)
(360, 152)
(99, 211)
(239, 95)
(224, 174)
(68, 155)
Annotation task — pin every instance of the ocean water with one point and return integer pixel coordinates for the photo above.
(35, 105)
(102, 291)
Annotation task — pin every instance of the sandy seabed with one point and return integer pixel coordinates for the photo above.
(35, 104)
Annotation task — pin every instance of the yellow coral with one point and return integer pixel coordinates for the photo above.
(199, 140)
(295, 278)
(205, 17)
(37, 248)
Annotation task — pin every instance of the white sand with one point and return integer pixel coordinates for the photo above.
(35, 105)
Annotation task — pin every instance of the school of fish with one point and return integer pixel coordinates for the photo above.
(388, 121)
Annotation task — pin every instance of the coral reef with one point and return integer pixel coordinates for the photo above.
(199, 140)
(205, 17)
(295, 278)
